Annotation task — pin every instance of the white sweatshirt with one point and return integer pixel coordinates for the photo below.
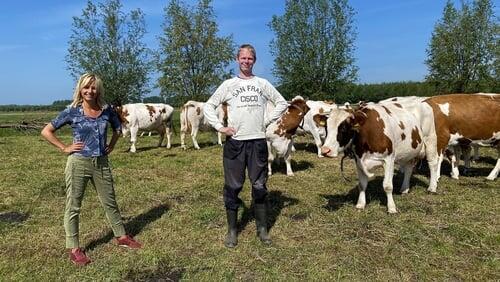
(246, 99)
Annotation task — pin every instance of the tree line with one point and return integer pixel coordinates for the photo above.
(313, 51)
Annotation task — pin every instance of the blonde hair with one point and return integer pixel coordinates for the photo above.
(249, 48)
(84, 81)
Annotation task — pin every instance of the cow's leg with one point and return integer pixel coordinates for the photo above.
(434, 162)
(270, 158)
(288, 159)
(466, 152)
(194, 132)
(183, 137)
(438, 170)
(363, 183)
(494, 173)
(475, 156)
(161, 132)
(133, 138)
(168, 131)
(407, 170)
(318, 142)
(455, 158)
(387, 184)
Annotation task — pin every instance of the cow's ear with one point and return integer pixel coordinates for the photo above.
(325, 113)
(358, 119)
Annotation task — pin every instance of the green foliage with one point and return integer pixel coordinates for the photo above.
(107, 42)
(314, 47)
(153, 99)
(376, 92)
(192, 59)
(463, 54)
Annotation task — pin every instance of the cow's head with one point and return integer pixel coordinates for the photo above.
(342, 124)
(122, 113)
(292, 118)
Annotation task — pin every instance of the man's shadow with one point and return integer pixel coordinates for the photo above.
(276, 203)
(133, 226)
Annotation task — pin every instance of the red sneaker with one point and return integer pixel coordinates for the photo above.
(128, 241)
(78, 257)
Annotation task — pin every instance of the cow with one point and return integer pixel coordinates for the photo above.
(279, 133)
(453, 152)
(314, 122)
(464, 119)
(192, 120)
(376, 135)
(146, 117)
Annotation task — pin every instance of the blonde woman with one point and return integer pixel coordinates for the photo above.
(89, 118)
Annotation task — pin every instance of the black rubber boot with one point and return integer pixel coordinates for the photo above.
(232, 229)
(260, 211)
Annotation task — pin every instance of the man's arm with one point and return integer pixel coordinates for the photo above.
(209, 110)
(279, 102)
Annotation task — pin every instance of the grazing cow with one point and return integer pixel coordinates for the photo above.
(376, 135)
(314, 122)
(464, 119)
(279, 133)
(146, 117)
(457, 152)
(193, 120)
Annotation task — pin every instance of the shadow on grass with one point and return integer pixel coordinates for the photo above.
(13, 217)
(203, 145)
(278, 166)
(423, 169)
(308, 147)
(374, 191)
(144, 149)
(487, 160)
(276, 202)
(133, 226)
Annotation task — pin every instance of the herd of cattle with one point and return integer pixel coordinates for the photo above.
(396, 131)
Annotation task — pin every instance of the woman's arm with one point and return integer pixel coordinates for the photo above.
(48, 132)
(112, 143)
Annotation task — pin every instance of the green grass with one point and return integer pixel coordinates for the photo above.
(171, 201)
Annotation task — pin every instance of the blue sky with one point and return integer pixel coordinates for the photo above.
(390, 46)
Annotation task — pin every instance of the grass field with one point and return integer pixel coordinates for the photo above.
(171, 201)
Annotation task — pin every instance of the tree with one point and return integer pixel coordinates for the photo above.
(192, 60)
(463, 51)
(107, 42)
(314, 47)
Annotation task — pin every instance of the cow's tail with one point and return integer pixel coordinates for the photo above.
(185, 124)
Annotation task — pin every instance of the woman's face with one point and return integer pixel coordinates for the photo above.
(89, 92)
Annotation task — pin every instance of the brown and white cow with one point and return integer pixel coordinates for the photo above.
(146, 117)
(422, 111)
(314, 122)
(279, 133)
(193, 120)
(377, 135)
(463, 119)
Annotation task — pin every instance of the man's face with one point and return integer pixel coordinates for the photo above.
(245, 60)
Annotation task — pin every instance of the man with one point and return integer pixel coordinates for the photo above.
(246, 96)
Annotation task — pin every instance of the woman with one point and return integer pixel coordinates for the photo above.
(88, 116)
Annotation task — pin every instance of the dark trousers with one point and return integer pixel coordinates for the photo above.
(238, 156)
